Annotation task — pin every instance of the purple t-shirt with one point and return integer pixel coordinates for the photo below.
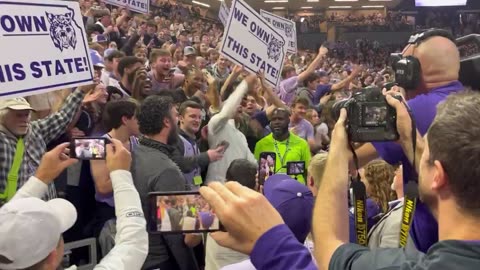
(303, 129)
(287, 89)
(322, 90)
(424, 229)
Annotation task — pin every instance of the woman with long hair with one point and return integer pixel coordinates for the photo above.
(377, 177)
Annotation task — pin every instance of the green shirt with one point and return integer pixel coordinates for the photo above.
(298, 150)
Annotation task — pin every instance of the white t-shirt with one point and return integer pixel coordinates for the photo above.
(222, 128)
(247, 264)
(217, 256)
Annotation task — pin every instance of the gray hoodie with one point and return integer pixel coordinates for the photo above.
(444, 255)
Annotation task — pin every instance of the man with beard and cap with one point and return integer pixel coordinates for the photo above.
(154, 170)
(287, 146)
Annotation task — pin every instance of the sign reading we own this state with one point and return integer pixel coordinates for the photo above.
(43, 47)
(223, 13)
(252, 42)
(140, 6)
(284, 26)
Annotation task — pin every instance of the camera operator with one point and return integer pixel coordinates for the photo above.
(31, 230)
(438, 73)
(447, 163)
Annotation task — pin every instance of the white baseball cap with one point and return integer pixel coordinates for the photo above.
(15, 104)
(30, 230)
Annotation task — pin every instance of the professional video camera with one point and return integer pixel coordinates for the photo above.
(370, 117)
(408, 70)
(469, 47)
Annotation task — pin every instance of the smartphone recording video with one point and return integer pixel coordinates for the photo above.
(266, 166)
(88, 148)
(181, 212)
(295, 168)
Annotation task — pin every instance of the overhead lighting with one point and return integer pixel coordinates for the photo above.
(380, 0)
(306, 7)
(313, 1)
(373, 6)
(346, 0)
(340, 7)
(278, 7)
(276, 1)
(200, 3)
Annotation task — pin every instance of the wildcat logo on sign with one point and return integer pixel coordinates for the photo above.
(283, 26)
(274, 49)
(62, 31)
(252, 42)
(44, 47)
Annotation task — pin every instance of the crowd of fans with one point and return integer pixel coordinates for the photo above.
(376, 21)
(181, 117)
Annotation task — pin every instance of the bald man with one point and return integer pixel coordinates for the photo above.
(440, 66)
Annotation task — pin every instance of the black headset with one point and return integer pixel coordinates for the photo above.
(407, 68)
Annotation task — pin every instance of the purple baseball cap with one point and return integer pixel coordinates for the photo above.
(207, 219)
(97, 59)
(293, 200)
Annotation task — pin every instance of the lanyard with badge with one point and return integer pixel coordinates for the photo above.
(197, 178)
(277, 151)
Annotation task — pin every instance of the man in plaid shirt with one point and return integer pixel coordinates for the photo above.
(15, 123)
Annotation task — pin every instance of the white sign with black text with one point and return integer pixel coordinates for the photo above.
(223, 13)
(44, 47)
(284, 26)
(251, 41)
(140, 6)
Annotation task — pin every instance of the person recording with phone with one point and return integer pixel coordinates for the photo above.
(286, 145)
(43, 223)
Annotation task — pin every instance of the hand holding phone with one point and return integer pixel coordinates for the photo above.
(89, 148)
(225, 145)
(266, 166)
(296, 168)
(180, 212)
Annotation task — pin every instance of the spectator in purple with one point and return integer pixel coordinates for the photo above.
(299, 125)
(325, 87)
(288, 86)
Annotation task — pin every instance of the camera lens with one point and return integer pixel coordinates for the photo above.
(337, 106)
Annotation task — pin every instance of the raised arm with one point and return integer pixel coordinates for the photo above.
(322, 52)
(271, 97)
(231, 78)
(343, 83)
(55, 124)
(131, 240)
(212, 95)
(330, 216)
(231, 104)
(101, 176)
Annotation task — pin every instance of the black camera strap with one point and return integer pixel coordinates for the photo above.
(411, 190)
(359, 204)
